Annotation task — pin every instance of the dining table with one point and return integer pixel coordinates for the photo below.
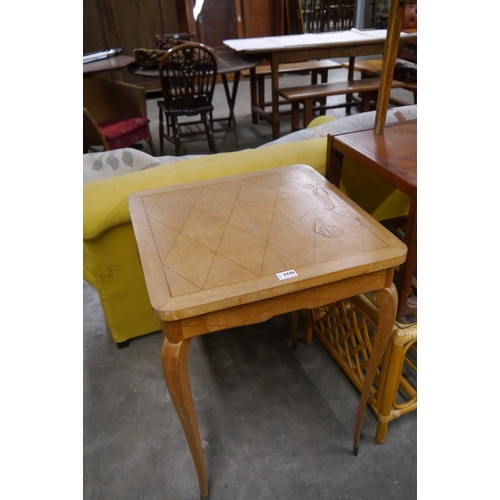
(305, 47)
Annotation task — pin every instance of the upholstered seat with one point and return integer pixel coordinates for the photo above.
(122, 133)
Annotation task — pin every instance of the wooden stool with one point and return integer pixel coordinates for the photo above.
(316, 68)
(346, 329)
(309, 94)
(373, 68)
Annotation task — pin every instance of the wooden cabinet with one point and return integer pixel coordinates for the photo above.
(128, 24)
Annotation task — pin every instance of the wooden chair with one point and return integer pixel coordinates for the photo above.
(338, 15)
(169, 40)
(92, 134)
(188, 74)
(114, 114)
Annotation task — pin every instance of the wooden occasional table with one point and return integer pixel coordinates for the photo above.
(239, 250)
(393, 157)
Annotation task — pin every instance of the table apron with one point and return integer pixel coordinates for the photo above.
(260, 311)
(305, 54)
(400, 179)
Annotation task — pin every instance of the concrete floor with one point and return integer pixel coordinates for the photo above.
(275, 423)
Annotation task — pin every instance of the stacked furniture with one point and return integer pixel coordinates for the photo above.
(406, 61)
(112, 267)
(111, 264)
(316, 68)
(307, 95)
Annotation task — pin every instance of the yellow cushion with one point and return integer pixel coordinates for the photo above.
(319, 120)
(105, 201)
(111, 263)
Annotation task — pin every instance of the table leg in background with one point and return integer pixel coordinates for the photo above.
(275, 84)
(350, 77)
(231, 99)
(406, 273)
(253, 94)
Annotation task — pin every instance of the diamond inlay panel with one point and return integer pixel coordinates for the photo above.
(292, 237)
(243, 249)
(225, 271)
(259, 196)
(237, 230)
(190, 260)
(251, 220)
(215, 203)
(170, 211)
(204, 228)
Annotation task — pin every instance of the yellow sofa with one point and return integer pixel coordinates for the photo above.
(110, 261)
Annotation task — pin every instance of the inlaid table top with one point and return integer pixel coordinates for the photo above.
(239, 250)
(224, 242)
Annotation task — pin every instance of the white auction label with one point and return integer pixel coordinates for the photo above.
(287, 274)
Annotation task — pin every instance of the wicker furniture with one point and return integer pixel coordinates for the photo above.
(346, 329)
(114, 114)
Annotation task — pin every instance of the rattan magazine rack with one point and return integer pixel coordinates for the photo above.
(346, 329)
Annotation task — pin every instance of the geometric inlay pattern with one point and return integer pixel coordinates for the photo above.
(240, 229)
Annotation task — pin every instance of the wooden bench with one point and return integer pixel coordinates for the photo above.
(315, 67)
(373, 68)
(307, 94)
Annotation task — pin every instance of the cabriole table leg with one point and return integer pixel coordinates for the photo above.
(175, 371)
(387, 299)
